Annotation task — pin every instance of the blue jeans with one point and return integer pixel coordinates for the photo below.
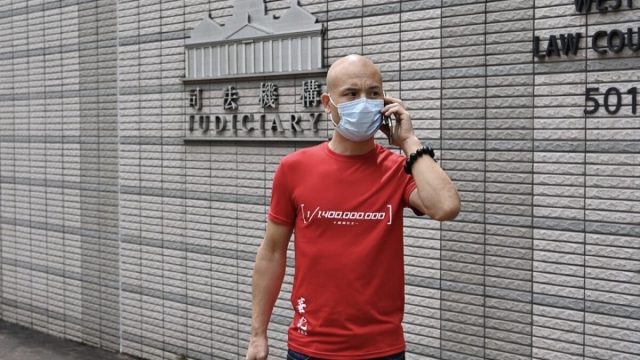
(292, 355)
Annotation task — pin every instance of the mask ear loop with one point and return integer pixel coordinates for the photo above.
(330, 116)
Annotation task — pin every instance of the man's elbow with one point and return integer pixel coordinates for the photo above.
(269, 252)
(448, 211)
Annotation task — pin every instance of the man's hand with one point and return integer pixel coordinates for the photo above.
(258, 349)
(402, 129)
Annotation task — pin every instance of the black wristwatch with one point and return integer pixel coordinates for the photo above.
(415, 155)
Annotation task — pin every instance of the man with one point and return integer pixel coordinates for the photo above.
(345, 200)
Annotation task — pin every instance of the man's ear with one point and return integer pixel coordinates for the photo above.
(326, 103)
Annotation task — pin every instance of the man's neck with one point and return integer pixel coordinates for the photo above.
(344, 146)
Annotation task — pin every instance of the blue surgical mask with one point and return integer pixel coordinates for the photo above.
(359, 119)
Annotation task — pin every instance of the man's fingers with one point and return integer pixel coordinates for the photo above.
(388, 100)
(394, 108)
(390, 109)
(392, 99)
(261, 356)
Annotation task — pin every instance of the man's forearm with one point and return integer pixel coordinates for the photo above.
(268, 274)
(444, 202)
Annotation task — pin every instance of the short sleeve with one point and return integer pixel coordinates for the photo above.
(409, 186)
(282, 208)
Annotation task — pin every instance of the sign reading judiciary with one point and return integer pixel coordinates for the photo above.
(257, 77)
(262, 124)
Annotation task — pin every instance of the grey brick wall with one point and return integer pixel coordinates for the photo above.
(59, 170)
(117, 233)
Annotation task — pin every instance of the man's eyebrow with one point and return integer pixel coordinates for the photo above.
(351, 87)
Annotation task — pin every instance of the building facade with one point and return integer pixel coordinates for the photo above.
(137, 154)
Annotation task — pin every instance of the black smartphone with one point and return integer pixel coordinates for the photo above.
(387, 122)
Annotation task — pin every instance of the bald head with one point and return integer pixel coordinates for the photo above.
(352, 67)
(350, 78)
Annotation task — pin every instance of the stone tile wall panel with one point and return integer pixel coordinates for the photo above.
(117, 233)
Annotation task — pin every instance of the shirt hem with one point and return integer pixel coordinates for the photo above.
(350, 356)
(279, 219)
(407, 194)
(413, 187)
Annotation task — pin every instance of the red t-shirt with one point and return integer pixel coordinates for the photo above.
(348, 288)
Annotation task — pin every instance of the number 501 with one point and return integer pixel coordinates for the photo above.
(611, 107)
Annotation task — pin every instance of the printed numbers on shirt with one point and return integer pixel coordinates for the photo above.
(318, 213)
